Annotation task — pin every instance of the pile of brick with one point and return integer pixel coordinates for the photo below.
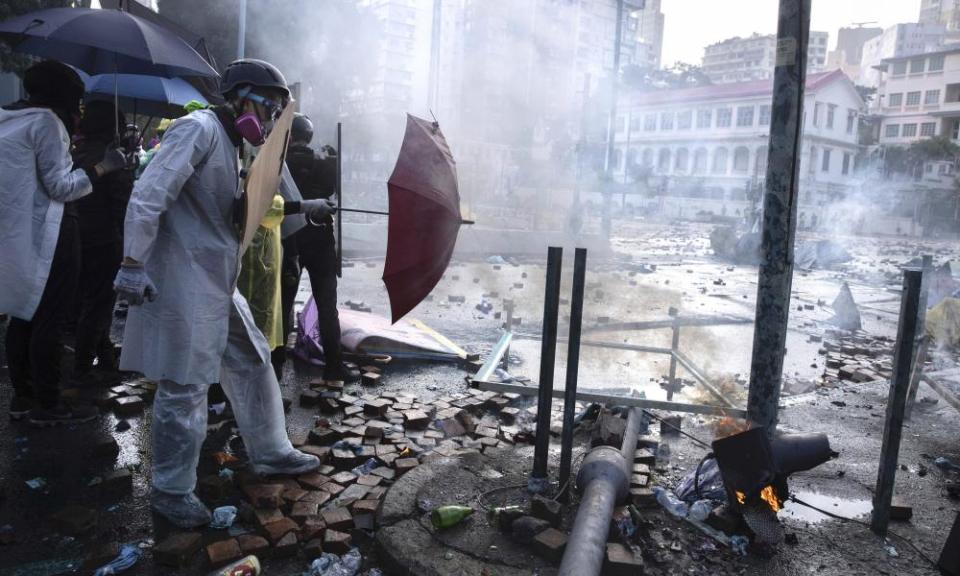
(364, 443)
(856, 358)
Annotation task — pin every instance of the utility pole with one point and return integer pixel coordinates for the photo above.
(611, 122)
(242, 29)
(779, 214)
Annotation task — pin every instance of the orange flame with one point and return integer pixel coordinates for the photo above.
(728, 426)
(769, 496)
(741, 497)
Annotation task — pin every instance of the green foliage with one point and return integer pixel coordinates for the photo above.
(866, 93)
(680, 75)
(909, 160)
(11, 61)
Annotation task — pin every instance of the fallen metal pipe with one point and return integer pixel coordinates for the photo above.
(604, 478)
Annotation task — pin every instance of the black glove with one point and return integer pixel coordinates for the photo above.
(113, 160)
(317, 210)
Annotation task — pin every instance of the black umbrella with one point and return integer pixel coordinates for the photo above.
(103, 41)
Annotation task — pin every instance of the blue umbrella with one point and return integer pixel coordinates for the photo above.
(151, 95)
(103, 41)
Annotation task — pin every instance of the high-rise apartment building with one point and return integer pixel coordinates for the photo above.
(752, 58)
(896, 41)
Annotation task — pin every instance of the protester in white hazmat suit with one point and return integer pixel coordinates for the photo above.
(192, 328)
(39, 236)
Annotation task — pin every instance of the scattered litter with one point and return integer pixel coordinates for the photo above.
(739, 545)
(626, 526)
(129, 555)
(671, 503)
(366, 468)
(332, 565)
(449, 516)
(503, 376)
(223, 517)
(249, 566)
(344, 445)
(425, 504)
(709, 481)
(701, 509)
(222, 458)
(485, 307)
(496, 259)
(891, 551)
(225, 473)
(146, 544)
(37, 483)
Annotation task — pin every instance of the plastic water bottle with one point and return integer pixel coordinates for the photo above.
(701, 509)
(671, 503)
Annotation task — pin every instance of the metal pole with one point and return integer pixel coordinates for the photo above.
(605, 480)
(612, 120)
(548, 351)
(920, 343)
(674, 348)
(435, 40)
(896, 401)
(242, 29)
(779, 214)
(573, 365)
(339, 193)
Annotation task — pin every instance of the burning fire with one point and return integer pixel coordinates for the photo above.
(768, 495)
(728, 426)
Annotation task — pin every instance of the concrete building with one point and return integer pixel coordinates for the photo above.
(752, 58)
(849, 49)
(705, 148)
(943, 12)
(897, 41)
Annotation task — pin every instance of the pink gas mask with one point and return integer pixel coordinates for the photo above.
(248, 124)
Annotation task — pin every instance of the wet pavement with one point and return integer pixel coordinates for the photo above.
(687, 277)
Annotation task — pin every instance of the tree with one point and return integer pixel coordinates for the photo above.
(11, 61)
(910, 160)
(680, 75)
(866, 93)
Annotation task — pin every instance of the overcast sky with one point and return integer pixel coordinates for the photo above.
(693, 24)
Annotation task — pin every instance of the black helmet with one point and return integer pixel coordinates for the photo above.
(54, 84)
(302, 129)
(253, 73)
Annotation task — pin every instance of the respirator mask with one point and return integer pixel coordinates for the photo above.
(248, 124)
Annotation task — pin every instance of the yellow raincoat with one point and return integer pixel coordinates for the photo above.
(943, 323)
(259, 280)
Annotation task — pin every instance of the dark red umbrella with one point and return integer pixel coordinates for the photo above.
(424, 216)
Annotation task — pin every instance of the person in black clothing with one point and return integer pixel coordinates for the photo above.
(101, 240)
(314, 247)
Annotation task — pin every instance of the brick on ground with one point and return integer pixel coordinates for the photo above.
(278, 529)
(321, 452)
(128, 406)
(313, 480)
(265, 495)
(266, 516)
(302, 510)
(550, 544)
(178, 549)
(313, 549)
(223, 552)
(337, 519)
(286, 546)
(404, 465)
(252, 544)
(621, 561)
(336, 542)
(312, 528)
(376, 407)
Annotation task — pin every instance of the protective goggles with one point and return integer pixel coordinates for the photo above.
(274, 109)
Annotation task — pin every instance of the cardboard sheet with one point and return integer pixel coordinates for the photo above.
(263, 178)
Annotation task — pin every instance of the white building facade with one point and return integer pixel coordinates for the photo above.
(752, 58)
(897, 41)
(710, 143)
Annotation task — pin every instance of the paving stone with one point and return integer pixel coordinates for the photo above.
(313, 480)
(252, 544)
(320, 497)
(215, 488)
(376, 407)
(621, 561)
(336, 542)
(75, 520)
(293, 495)
(286, 546)
(323, 436)
(312, 528)
(416, 419)
(639, 480)
(223, 552)
(265, 495)
(365, 507)
(344, 458)
(369, 480)
(641, 469)
(645, 456)
(351, 411)
(313, 549)
(303, 510)
(332, 488)
(546, 509)
(376, 493)
(337, 519)
(370, 379)
(128, 406)
(266, 516)
(329, 406)
(277, 530)
(178, 549)
(404, 465)
(384, 472)
(321, 452)
(643, 497)
(344, 477)
(550, 544)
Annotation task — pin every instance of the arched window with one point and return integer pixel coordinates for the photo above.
(720, 161)
(681, 161)
(663, 161)
(741, 160)
(647, 157)
(700, 161)
(760, 165)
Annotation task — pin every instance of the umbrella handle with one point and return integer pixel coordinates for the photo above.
(381, 213)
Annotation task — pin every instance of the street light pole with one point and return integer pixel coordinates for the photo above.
(612, 121)
(242, 29)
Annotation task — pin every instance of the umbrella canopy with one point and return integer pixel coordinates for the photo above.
(103, 41)
(424, 216)
(150, 95)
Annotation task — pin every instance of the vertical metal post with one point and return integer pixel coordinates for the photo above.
(920, 343)
(896, 401)
(548, 353)
(433, 95)
(674, 348)
(339, 192)
(573, 366)
(612, 121)
(242, 29)
(779, 214)
(508, 326)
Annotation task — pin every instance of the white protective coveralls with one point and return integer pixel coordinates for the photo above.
(37, 179)
(199, 330)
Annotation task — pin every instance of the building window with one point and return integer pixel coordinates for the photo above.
(764, 115)
(650, 122)
(825, 165)
(817, 107)
(831, 112)
(745, 116)
(928, 129)
(636, 122)
(900, 68)
(704, 118)
(895, 99)
(935, 63)
(916, 65)
(909, 130)
(851, 120)
(913, 98)
(741, 160)
(647, 157)
(892, 131)
(931, 97)
(812, 167)
(846, 163)
(666, 120)
(663, 161)
(720, 160)
(681, 161)
(684, 120)
(724, 116)
(700, 161)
